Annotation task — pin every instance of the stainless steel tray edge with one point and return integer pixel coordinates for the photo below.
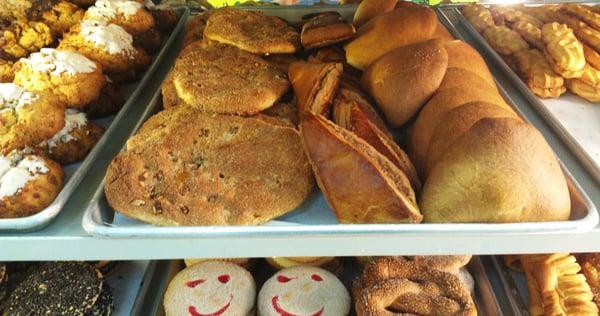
(43, 218)
(565, 136)
(510, 288)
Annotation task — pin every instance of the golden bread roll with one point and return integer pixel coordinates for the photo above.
(441, 32)
(186, 167)
(463, 55)
(352, 112)
(359, 183)
(479, 16)
(504, 40)
(463, 78)
(489, 175)
(402, 80)
(457, 122)
(411, 24)
(563, 51)
(314, 84)
(368, 9)
(591, 56)
(431, 114)
(325, 29)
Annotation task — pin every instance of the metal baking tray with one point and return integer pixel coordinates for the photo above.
(314, 217)
(128, 279)
(75, 172)
(514, 285)
(574, 119)
(152, 303)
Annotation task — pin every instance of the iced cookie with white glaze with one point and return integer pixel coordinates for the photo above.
(73, 78)
(303, 290)
(211, 288)
(28, 184)
(130, 15)
(107, 44)
(27, 118)
(75, 140)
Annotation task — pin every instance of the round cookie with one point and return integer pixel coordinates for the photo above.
(211, 288)
(303, 290)
(130, 15)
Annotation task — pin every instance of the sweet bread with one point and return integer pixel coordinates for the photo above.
(562, 49)
(196, 179)
(479, 16)
(28, 184)
(62, 16)
(73, 78)
(354, 113)
(325, 29)
(252, 31)
(583, 32)
(463, 78)
(590, 266)
(530, 33)
(537, 73)
(334, 151)
(303, 290)
(392, 284)
(224, 79)
(584, 13)
(23, 37)
(27, 118)
(504, 40)
(109, 102)
(369, 9)
(463, 55)
(211, 288)
(556, 286)
(74, 141)
(314, 85)
(591, 56)
(129, 14)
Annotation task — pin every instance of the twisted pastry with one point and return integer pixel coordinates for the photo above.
(584, 13)
(590, 265)
(391, 283)
(479, 16)
(563, 50)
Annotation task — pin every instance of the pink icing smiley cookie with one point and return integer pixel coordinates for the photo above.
(211, 288)
(303, 291)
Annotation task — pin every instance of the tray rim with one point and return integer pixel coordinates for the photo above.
(47, 215)
(586, 160)
(517, 303)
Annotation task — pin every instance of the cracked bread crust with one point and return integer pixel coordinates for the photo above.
(185, 167)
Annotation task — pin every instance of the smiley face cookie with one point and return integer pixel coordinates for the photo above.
(211, 288)
(303, 290)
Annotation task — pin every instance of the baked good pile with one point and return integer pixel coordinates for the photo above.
(59, 68)
(553, 48)
(235, 145)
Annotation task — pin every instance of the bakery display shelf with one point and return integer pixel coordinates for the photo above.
(514, 285)
(573, 119)
(484, 296)
(128, 279)
(75, 172)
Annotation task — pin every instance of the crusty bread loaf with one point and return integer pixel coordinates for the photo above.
(185, 167)
(462, 55)
(410, 24)
(501, 170)
(441, 32)
(402, 80)
(314, 84)
(431, 114)
(461, 77)
(369, 9)
(457, 122)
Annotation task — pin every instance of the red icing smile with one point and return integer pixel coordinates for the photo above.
(283, 312)
(194, 312)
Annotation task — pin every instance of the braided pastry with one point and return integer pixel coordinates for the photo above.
(563, 50)
(556, 287)
(479, 16)
(530, 33)
(590, 265)
(504, 40)
(391, 283)
(537, 73)
(582, 31)
(584, 13)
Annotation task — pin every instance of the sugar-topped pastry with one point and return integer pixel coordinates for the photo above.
(27, 118)
(211, 288)
(131, 15)
(75, 140)
(28, 184)
(107, 44)
(73, 78)
(303, 290)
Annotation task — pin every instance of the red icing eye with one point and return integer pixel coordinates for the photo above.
(283, 279)
(223, 278)
(194, 283)
(316, 277)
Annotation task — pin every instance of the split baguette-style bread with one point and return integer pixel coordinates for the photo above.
(314, 84)
(411, 24)
(369, 9)
(431, 114)
(186, 167)
(360, 184)
(462, 55)
(404, 79)
(457, 122)
(354, 113)
(501, 170)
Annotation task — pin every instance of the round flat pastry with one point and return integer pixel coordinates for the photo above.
(303, 290)
(226, 80)
(252, 31)
(211, 288)
(57, 288)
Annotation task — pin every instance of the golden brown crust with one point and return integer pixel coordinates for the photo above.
(224, 79)
(448, 264)
(463, 55)
(194, 30)
(314, 85)
(584, 90)
(325, 29)
(211, 170)
(343, 162)
(463, 78)
(134, 24)
(591, 56)
(368, 9)
(504, 40)
(442, 33)
(537, 73)
(490, 174)
(583, 31)
(479, 16)
(531, 33)
(252, 31)
(62, 16)
(583, 13)
(562, 49)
